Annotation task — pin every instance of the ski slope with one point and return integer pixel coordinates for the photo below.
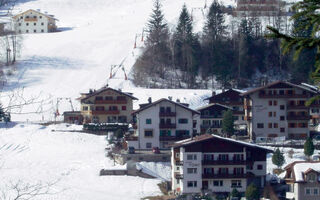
(35, 154)
(96, 34)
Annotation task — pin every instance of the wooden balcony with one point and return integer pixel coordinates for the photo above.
(213, 176)
(297, 107)
(211, 116)
(167, 126)
(110, 101)
(237, 112)
(178, 176)
(105, 112)
(248, 107)
(277, 96)
(30, 19)
(224, 162)
(131, 138)
(167, 114)
(298, 117)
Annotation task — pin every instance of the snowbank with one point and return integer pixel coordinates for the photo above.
(161, 170)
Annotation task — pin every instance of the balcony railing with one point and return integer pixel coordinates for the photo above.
(293, 107)
(30, 19)
(167, 126)
(298, 117)
(178, 176)
(105, 112)
(179, 163)
(210, 116)
(210, 126)
(247, 118)
(120, 101)
(173, 138)
(247, 175)
(224, 162)
(283, 96)
(131, 138)
(167, 114)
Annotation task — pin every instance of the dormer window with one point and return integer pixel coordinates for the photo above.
(311, 177)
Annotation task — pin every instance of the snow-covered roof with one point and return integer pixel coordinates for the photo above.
(204, 137)
(214, 104)
(300, 169)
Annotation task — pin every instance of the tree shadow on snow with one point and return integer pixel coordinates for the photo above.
(8, 124)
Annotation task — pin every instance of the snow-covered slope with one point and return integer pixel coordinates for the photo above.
(35, 154)
(97, 34)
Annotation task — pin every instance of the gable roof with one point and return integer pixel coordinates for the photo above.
(205, 137)
(214, 104)
(97, 92)
(300, 168)
(46, 15)
(161, 100)
(275, 83)
(225, 92)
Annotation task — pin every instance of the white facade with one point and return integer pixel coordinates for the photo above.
(159, 130)
(32, 21)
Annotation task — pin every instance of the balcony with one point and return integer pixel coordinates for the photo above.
(178, 176)
(277, 96)
(210, 116)
(297, 107)
(213, 176)
(298, 117)
(224, 162)
(173, 138)
(30, 19)
(119, 101)
(237, 112)
(206, 126)
(167, 126)
(167, 114)
(179, 163)
(105, 112)
(131, 138)
(248, 107)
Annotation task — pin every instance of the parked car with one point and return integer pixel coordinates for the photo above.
(131, 150)
(317, 137)
(273, 181)
(155, 150)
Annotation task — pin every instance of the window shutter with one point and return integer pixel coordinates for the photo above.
(219, 170)
(219, 157)
(227, 157)
(227, 171)
(242, 157)
(242, 171)
(234, 170)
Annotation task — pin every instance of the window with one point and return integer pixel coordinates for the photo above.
(270, 103)
(108, 98)
(99, 98)
(35, 24)
(85, 108)
(178, 168)
(183, 121)
(281, 107)
(281, 92)
(270, 114)
(42, 23)
(21, 17)
(208, 171)
(123, 107)
(223, 170)
(292, 125)
(236, 183)
(275, 125)
(282, 118)
(113, 108)
(269, 125)
(191, 157)
(274, 114)
(40, 17)
(191, 170)
(27, 31)
(311, 177)
(238, 170)
(308, 191)
(315, 191)
(223, 157)
(27, 24)
(282, 130)
(260, 125)
(275, 103)
(218, 183)
(35, 17)
(34, 30)
(148, 145)
(192, 184)
(162, 109)
(148, 133)
(42, 31)
(148, 121)
(259, 167)
(19, 24)
(99, 108)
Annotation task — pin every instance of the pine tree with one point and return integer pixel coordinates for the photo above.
(308, 148)
(2, 113)
(187, 48)
(235, 193)
(228, 123)
(278, 158)
(252, 192)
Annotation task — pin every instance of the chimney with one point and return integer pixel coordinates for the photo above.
(90, 91)
(178, 100)
(213, 93)
(170, 98)
(149, 100)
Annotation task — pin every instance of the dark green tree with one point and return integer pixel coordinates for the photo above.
(235, 193)
(187, 47)
(307, 10)
(308, 147)
(228, 123)
(252, 192)
(278, 158)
